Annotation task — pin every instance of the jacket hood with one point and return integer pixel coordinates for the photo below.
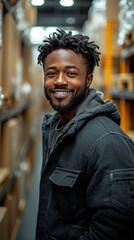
(94, 105)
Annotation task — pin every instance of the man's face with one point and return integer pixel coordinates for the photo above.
(66, 82)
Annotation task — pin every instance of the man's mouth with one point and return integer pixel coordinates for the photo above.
(61, 93)
(65, 92)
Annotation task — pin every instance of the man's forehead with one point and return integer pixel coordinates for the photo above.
(65, 54)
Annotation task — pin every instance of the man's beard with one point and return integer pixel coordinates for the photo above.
(74, 101)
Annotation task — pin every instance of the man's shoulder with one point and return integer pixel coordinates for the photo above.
(99, 127)
(103, 127)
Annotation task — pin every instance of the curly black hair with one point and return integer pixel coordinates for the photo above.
(78, 43)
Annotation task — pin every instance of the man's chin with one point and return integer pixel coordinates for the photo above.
(60, 109)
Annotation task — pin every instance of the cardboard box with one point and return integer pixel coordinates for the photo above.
(114, 81)
(1, 40)
(11, 144)
(1, 23)
(28, 123)
(27, 64)
(30, 14)
(1, 68)
(10, 203)
(16, 229)
(4, 177)
(25, 168)
(22, 204)
(126, 81)
(131, 134)
(15, 191)
(9, 35)
(0, 141)
(3, 223)
(123, 81)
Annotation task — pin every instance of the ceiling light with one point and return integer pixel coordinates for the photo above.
(37, 35)
(66, 3)
(50, 30)
(37, 2)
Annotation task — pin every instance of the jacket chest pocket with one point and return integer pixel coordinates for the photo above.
(64, 195)
(122, 190)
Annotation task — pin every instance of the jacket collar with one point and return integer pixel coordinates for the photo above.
(93, 105)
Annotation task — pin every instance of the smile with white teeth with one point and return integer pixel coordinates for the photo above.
(61, 92)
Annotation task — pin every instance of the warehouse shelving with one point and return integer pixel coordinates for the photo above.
(14, 111)
(116, 85)
(20, 110)
(6, 188)
(118, 94)
(125, 97)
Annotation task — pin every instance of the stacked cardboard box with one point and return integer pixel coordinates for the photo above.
(1, 25)
(3, 223)
(9, 35)
(25, 180)
(123, 81)
(11, 202)
(4, 178)
(131, 134)
(126, 81)
(11, 144)
(30, 14)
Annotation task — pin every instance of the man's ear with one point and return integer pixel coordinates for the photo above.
(89, 79)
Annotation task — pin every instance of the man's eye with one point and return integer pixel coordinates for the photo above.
(51, 74)
(72, 74)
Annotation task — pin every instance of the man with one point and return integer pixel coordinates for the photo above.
(87, 177)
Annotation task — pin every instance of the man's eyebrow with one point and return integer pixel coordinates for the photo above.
(68, 66)
(52, 67)
(72, 66)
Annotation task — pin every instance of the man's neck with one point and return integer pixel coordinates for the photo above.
(67, 116)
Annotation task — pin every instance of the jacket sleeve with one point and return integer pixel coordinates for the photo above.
(110, 192)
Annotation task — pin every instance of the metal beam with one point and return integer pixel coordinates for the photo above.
(77, 3)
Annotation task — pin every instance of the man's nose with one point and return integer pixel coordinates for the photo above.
(60, 80)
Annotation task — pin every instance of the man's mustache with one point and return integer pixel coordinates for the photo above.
(51, 90)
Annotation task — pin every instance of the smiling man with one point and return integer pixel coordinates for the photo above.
(87, 177)
(66, 81)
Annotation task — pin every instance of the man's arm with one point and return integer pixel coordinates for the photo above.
(110, 193)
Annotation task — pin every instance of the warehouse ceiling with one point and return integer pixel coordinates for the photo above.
(53, 14)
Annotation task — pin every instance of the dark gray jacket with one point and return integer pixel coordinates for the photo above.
(87, 184)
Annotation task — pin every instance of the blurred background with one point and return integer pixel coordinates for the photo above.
(24, 24)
